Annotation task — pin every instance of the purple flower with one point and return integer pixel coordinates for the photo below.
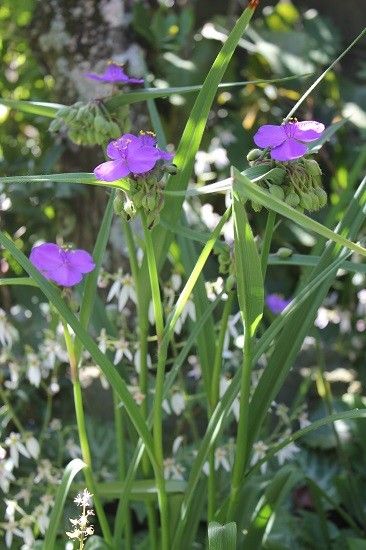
(286, 141)
(64, 267)
(276, 303)
(114, 74)
(130, 155)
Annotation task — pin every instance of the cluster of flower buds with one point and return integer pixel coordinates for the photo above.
(89, 123)
(225, 256)
(298, 183)
(145, 194)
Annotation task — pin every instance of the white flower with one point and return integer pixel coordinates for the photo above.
(51, 350)
(103, 342)
(173, 470)
(84, 499)
(124, 289)
(14, 371)
(15, 447)
(6, 476)
(287, 453)
(177, 403)
(122, 350)
(176, 281)
(32, 446)
(189, 310)
(259, 452)
(34, 373)
(137, 360)
(326, 316)
(221, 460)
(235, 407)
(196, 371)
(11, 529)
(45, 472)
(136, 394)
(73, 448)
(8, 333)
(214, 288)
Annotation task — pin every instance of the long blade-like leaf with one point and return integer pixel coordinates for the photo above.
(70, 472)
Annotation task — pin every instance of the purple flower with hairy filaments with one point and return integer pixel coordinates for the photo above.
(130, 155)
(287, 141)
(114, 74)
(276, 303)
(63, 267)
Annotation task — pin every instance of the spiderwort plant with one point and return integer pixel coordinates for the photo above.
(294, 180)
(114, 74)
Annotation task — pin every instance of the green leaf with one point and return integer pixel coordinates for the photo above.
(70, 472)
(96, 543)
(247, 189)
(128, 98)
(263, 517)
(23, 281)
(72, 178)
(222, 537)
(356, 544)
(248, 267)
(33, 107)
(91, 281)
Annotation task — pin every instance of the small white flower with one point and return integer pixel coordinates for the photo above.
(11, 529)
(122, 350)
(173, 470)
(123, 288)
(137, 360)
(6, 475)
(176, 281)
(14, 371)
(259, 452)
(32, 446)
(102, 339)
(84, 499)
(196, 371)
(189, 310)
(73, 448)
(287, 453)
(8, 333)
(137, 394)
(304, 420)
(15, 447)
(177, 403)
(34, 373)
(221, 460)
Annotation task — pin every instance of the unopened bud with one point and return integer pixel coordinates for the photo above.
(284, 252)
(254, 154)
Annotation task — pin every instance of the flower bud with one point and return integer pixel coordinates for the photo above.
(171, 169)
(322, 196)
(284, 252)
(277, 192)
(254, 154)
(292, 199)
(306, 201)
(230, 283)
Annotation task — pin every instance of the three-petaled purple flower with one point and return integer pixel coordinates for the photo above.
(287, 141)
(130, 155)
(114, 74)
(276, 303)
(62, 266)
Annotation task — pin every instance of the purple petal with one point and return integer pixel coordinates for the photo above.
(46, 256)
(269, 135)
(66, 275)
(80, 260)
(276, 303)
(164, 155)
(141, 159)
(112, 170)
(289, 150)
(146, 139)
(113, 151)
(114, 74)
(308, 130)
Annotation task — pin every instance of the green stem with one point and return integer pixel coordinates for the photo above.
(143, 330)
(159, 385)
(271, 219)
(121, 455)
(241, 448)
(215, 395)
(17, 423)
(83, 438)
